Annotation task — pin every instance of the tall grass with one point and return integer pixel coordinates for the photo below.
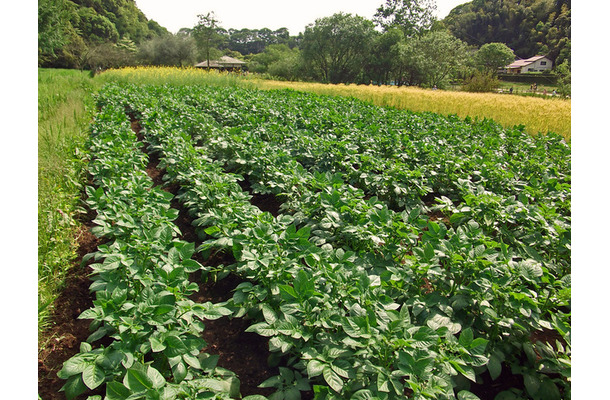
(65, 105)
(174, 76)
(538, 115)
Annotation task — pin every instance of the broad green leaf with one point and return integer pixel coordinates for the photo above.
(93, 376)
(341, 367)
(73, 366)
(179, 371)
(192, 361)
(273, 382)
(156, 345)
(383, 383)
(269, 314)
(466, 395)
(288, 293)
(333, 380)
(137, 380)
(532, 383)
(175, 346)
(494, 366)
(465, 370)
(74, 386)
(466, 337)
(156, 378)
(314, 368)
(116, 391)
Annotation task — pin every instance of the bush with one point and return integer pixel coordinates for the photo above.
(481, 82)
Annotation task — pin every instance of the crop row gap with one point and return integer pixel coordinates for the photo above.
(244, 353)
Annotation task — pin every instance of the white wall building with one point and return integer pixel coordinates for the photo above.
(532, 64)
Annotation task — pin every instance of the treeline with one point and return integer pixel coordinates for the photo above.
(403, 44)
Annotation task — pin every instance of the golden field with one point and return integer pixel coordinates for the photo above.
(538, 115)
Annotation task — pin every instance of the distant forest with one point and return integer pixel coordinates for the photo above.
(395, 46)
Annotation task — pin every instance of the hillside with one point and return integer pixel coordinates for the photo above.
(68, 31)
(529, 27)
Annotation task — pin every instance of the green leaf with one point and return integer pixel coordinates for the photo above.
(333, 380)
(155, 377)
(532, 383)
(466, 395)
(116, 391)
(74, 386)
(466, 337)
(137, 380)
(175, 346)
(179, 371)
(156, 345)
(73, 366)
(192, 361)
(288, 293)
(315, 368)
(269, 314)
(494, 366)
(465, 370)
(363, 394)
(428, 251)
(93, 376)
(383, 383)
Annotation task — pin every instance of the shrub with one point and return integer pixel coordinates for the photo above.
(481, 82)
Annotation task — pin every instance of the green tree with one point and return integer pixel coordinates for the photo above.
(175, 50)
(333, 48)
(564, 78)
(434, 58)
(492, 56)
(95, 28)
(206, 33)
(383, 60)
(412, 16)
(52, 26)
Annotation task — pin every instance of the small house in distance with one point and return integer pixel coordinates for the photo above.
(224, 63)
(532, 64)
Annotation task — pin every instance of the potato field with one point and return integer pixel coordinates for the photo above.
(378, 253)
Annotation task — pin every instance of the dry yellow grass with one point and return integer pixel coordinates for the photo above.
(538, 115)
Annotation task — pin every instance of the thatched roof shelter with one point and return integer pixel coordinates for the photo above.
(224, 62)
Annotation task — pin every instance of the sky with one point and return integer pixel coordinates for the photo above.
(272, 14)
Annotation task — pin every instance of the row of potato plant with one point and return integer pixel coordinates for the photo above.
(146, 341)
(442, 258)
(354, 342)
(517, 187)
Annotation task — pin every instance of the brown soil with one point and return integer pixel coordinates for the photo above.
(62, 340)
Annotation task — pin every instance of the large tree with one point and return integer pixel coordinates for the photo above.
(334, 47)
(411, 16)
(492, 56)
(382, 63)
(177, 50)
(433, 58)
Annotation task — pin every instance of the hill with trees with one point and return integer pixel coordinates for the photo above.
(74, 33)
(528, 27)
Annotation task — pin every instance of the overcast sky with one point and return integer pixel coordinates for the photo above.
(272, 14)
